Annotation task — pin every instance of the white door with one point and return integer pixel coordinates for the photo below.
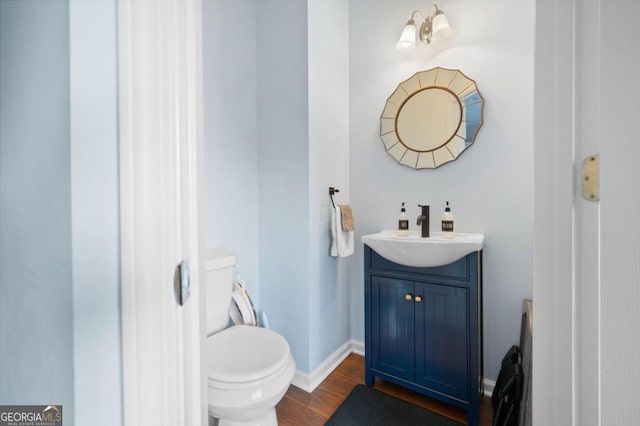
(620, 212)
(160, 82)
(586, 256)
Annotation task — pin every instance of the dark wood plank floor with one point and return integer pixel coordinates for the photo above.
(309, 409)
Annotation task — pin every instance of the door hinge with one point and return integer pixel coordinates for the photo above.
(591, 178)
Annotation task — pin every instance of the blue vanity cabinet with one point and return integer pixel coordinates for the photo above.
(423, 328)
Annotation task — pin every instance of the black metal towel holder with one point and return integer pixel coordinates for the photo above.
(332, 191)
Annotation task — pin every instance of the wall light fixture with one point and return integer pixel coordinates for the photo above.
(434, 28)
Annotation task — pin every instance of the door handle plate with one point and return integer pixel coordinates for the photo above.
(591, 178)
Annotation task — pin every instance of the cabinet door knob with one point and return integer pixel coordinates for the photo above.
(408, 297)
(418, 299)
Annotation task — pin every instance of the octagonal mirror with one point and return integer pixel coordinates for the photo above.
(431, 118)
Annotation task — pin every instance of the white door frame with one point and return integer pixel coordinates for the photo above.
(160, 121)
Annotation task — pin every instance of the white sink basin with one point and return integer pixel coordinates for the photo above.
(413, 250)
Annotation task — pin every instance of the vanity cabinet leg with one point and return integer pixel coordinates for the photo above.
(473, 415)
(369, 379)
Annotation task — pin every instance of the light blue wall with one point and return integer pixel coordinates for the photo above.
(95, 212)
(283, 170)
(230, 133)
(59, 244)
(36, 302)
(277, 135)
(257, 154)
(328, 47)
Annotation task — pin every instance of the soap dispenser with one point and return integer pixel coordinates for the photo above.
(447, 223)
(403, 223)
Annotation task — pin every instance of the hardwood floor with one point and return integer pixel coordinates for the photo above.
(299, 408)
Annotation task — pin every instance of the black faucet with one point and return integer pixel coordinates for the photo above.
(423, 220)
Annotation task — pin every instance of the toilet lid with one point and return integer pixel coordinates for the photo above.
(244, 353)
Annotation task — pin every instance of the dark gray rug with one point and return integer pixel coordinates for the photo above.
(366, 406)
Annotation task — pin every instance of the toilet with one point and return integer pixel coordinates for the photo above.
(249, 368)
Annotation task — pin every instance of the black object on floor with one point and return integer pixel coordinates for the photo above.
(366, 406)
(508, 390)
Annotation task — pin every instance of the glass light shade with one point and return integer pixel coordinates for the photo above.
(407, 40)
(441, 30)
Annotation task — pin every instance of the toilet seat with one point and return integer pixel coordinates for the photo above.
(241, 354)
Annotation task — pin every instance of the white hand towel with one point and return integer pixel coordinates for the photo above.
(342, 244)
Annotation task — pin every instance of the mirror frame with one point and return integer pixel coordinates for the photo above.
(465, 91)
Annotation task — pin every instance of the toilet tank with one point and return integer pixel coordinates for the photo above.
(219, 268)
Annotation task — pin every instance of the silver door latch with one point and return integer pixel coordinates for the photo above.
(591, 178)
(182, 282)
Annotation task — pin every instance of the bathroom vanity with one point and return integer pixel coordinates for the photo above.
(423, 326)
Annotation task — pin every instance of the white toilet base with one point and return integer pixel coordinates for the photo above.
(254, 405)
(265, 418)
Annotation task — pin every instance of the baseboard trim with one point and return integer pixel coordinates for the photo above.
(309, 381)
(489, 386)
(357, 347)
